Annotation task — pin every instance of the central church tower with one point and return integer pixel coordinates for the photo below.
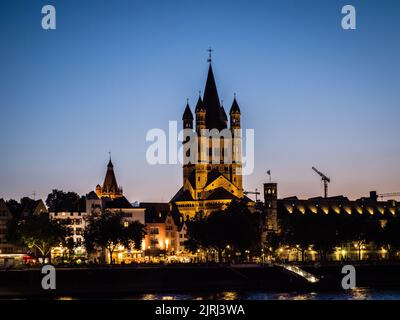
(213, 177)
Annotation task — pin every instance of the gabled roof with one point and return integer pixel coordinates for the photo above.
(31, 206)
(158, 206)
(214, 117)
(221, 194)
(117, 203)
(183, 196)
(212, 176)
(92, 196)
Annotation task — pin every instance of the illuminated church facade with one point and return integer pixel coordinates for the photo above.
(212, 178)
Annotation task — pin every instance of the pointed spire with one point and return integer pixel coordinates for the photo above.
(110, 182)
(214, 117)
(235, 106)
(199, 106)
(110, 162)
(187, 114)
(224, 116)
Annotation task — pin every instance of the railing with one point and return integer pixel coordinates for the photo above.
(306, 275)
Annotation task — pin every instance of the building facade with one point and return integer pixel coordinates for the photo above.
(166, 231)
(9, 253)
(276, 210)
(212, 169)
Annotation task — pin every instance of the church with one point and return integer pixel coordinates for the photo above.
(110, 187)
(210, 185)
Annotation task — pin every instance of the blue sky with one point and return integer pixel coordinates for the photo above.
(112, 70)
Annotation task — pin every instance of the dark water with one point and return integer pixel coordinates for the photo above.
(356, 294)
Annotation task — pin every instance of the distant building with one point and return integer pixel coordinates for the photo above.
(9, 253)
(110, 188)
(75, 220)
(33, 207)
(275, 209)
(166, 231)
(211, 185)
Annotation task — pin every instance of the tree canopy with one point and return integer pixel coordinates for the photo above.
(107, 231)
(235, 227)
(39, 233)
(59, 200)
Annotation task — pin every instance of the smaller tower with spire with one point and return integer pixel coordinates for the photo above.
(187, 117)
(235, 114)
(200, 115)
(110, 187)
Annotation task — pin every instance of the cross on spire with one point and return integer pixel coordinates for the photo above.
(209, 54)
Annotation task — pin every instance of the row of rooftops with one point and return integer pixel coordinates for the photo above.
(339, 204)
(157, 212)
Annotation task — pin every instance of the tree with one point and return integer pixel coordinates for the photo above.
(390, 238)
(59, 200)
(360, 229)
(107, 231)
(273, 241)
(135, 232)
(235, 227)
(325, 233)
(297, 231)
(14, 207)
(38, 232)
(70, 246)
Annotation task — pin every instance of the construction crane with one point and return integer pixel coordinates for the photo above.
(325, 180)
(389, 195)
(256, 193)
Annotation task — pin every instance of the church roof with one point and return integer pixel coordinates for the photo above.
(182, 195)
(235, 107)
(224, 116)
(221, 194)
(199, 105)
(110, 182)
(214, 116)
(187, 115)
(212, 176)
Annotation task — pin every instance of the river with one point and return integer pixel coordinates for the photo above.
(355, 294)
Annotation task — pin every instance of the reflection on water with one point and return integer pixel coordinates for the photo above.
(355, 294)
(229, 296)
(66, 298)
(359, 294)
(149, 297)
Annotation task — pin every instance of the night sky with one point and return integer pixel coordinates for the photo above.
(315, 94)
